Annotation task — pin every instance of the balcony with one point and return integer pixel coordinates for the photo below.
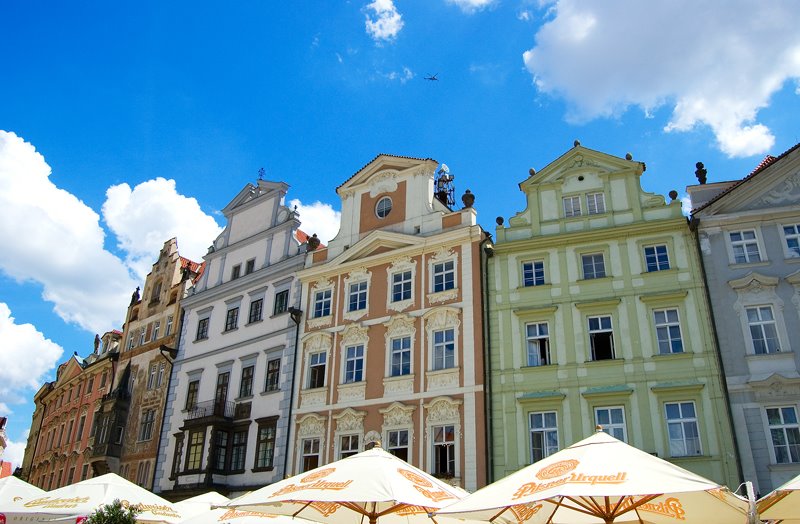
(109, 449)
(211, 408)
(117, 394)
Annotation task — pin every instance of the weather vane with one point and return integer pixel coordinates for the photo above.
(261, 173)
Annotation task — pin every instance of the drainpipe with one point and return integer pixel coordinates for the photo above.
(486, 252)
(297, 316)
(169, 382)
(693, 225)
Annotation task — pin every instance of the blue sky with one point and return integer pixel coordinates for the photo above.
(122, 125)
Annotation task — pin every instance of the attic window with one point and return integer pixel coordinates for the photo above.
(383, 207)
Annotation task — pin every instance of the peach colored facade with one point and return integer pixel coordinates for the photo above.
(60, 449)
(391, 348)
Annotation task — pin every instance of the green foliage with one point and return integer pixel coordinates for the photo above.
(113, 513)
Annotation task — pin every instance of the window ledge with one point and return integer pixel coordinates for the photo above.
(743, 265)
(546, 285)
(659, 271)
(274, 315)
(254, 322)
(443, 296)
(606, 361)
(259, 470)
(783, 466)
(777, 355)
(690, 458)
(607, 277)
(680, 355)
(230, 330)
(273, 391)
(246, 397)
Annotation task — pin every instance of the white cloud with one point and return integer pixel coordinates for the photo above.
(144, 217)
(401, 77)
(319, 218)
(49, 236)
(686, 205)
(471, 6)
(524, 15)
(386, 23)
(27, 357)
(15, 451)
(713, 65)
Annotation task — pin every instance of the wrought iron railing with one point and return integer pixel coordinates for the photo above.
(209, 408)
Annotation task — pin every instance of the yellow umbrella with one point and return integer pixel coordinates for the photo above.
(783, 504)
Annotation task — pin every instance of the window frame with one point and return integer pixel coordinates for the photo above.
(357, 296)
(281, 303)
(595, 274)
(441, 347)
(305, 454)
(246, 381)
(406, 286)
(544, 430)
(192, 394)
(449, 447)
(256, 311)
(594, 199)
(443, 278)
(352, 449)
(788, 250)
(782, 427)
(231, 319)
(536, 273)
(323, 303)
(146, 425)
(266, 437)
(272, 378)
(354, 365)
(537, 338)
(743, 243)
(658, 328)
(392, 446)
(601, 330)
(761, 323)
(317, 371)
(682, 421)
(657, 258)
(194, 451)
(202, 329)
(404, 352)
(570, 211)
(623, 426)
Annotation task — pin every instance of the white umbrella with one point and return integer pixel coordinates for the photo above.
(372, 485)
(238, 516)
(13, 490)
(200, 504)
(783, 504)
(602, 480)
(81, 499)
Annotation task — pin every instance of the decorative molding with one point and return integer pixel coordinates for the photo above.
(395, 386)
(443, 410)
(783, 193)
(313, 397)
(353, 391)
(441, 318)
(754, 283)
(442, 255)
(355, 334)
(397, 414)
(360, 274)
(372, 436)
(383, 182)
(311, 425)
(317, 342)
(400, 326)
(350, 420)
(442, 379)
(443, 296)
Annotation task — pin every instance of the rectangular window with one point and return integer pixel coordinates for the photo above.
(103, 379)
(357, 296)
(156, 329)
(273, 375)
(90, 385)
(401, 286)
(538, 344)
(221, 393)
(444, 276)
(265, 447)
(176, 458)
(601, 338)
(348, 446)
(593, 266)
(131, 340)
(668, 331)
(232, 319)
(572, 206)
(256, 311)
(191, 394)
(656, 258)
(310, 455)
(142, 335)
(354, 364)
(69, 431)
(792, 235)
(162, 368)
(85, 472)
(533, 273)
(81, 424)
(146, 425)
(785, 433)
(168, 331)
(316, 370)
(151, 376)
(612, 420)
(194, 453)
(444, 349)
(246, 385)
(322, 303)
(544, 434)
(220, 450)
(398, 443)
(401, 356)
(595, 203)
(684, 435)
(238, 450)
(281, 302)
(202, 329)
(763, 330)
(444, 451)
(236, 271)
(745, 246)
(250, 266)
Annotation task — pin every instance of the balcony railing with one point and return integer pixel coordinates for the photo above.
(117, 394)
(211, 408)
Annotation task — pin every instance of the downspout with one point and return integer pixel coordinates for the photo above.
(486, 252)
(169, 383)
(297, 316)
(693, 223)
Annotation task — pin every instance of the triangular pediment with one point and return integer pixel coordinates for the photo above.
(775, 381)
(250, 193)
(68, 370)
(777, 185)
(384, 163)
(375, 243)
(580, 161)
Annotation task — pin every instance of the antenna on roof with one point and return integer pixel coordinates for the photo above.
(443, 186)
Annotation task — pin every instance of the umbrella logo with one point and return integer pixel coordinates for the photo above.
(557, 469)
(321, 474)
(415, 478)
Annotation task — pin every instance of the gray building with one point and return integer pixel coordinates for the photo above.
(748, 232)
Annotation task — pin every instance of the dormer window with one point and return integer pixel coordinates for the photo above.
(383, 207)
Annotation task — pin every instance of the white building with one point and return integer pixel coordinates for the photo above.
(229, 394)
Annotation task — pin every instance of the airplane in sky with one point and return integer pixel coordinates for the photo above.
(432, 77)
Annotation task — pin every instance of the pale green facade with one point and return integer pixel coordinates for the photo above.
(651, 352)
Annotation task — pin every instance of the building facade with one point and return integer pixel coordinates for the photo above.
(61, 447)
(749, 235)
(228, 399)
(130, 416)
(598, 315)
(392, 348)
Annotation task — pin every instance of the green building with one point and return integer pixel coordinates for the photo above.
(598, 315)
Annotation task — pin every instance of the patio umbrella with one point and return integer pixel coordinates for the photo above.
(783, 504)
(81, 499)
(200, 504)
(13, 490)
(602, 480)
(372, 486)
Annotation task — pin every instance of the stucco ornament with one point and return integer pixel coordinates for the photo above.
(442, 318)
(785, 193)
(350, 420)
(383, 182)
(443, 409)
(397, 414)
(400, 326)
(355, 334)
(311, 425)
(317, 342)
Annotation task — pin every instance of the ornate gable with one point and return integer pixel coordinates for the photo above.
(581, 161)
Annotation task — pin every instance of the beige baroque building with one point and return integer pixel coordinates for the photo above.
(392, 343)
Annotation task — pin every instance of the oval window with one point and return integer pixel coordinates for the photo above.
(383, 207)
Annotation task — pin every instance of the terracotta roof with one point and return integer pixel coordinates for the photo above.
(764, 164)
(200, 269)
(116, 331)
(303, 237)
(193, 266)
(376, 158)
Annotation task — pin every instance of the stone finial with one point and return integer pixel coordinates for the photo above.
(312, 243)
(701, 172)
(531, 171)
(628, 156)
(468, 198)
(499, 221)
(576, 143)
(673, 194)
